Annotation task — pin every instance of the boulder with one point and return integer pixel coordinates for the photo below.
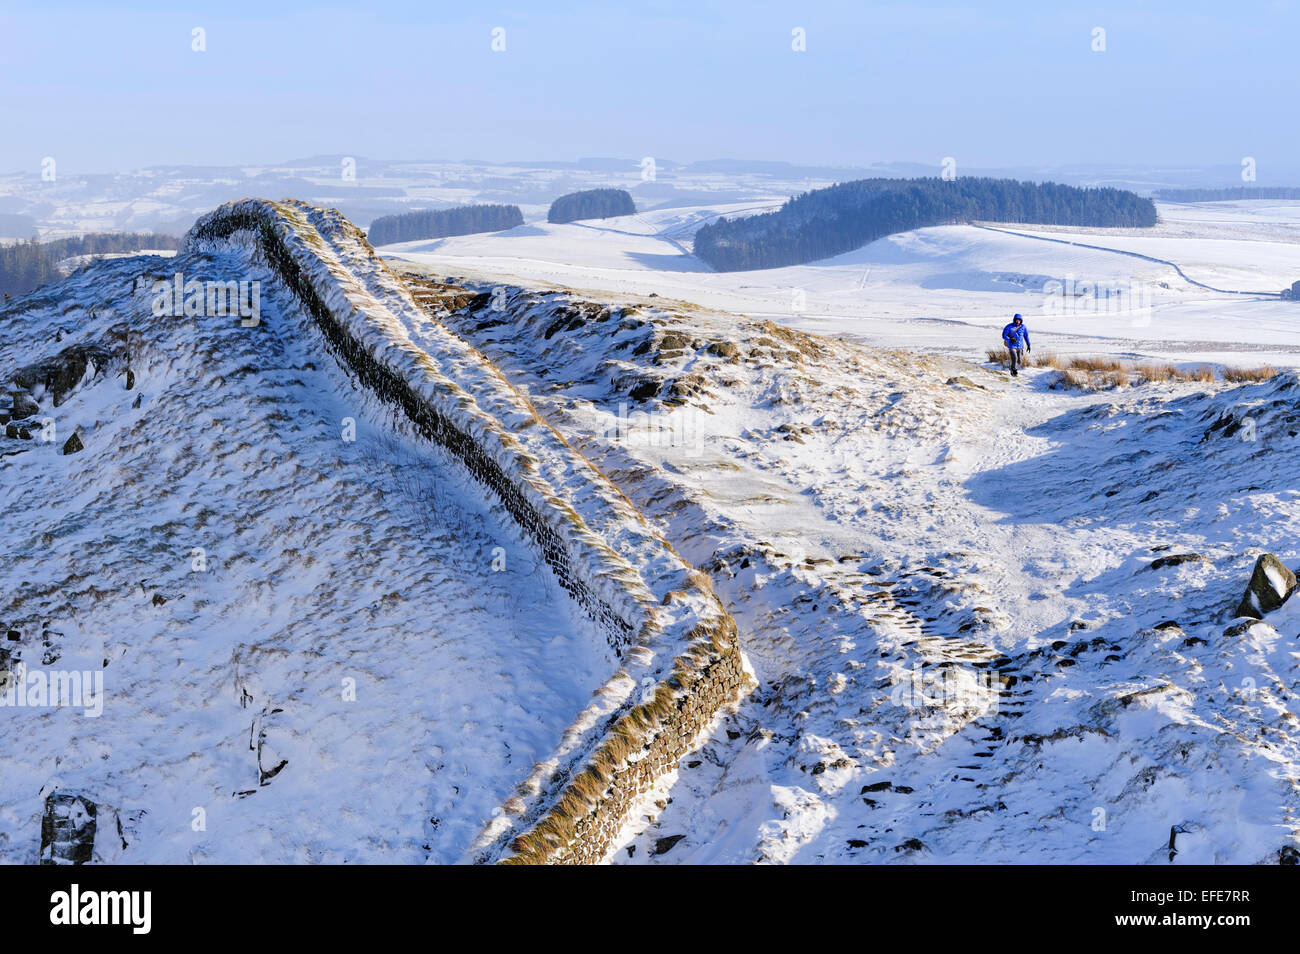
(68, 829)
(72, 445)
(1270, 585)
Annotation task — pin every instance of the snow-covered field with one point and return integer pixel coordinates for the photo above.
(253, 586)
(950, 289)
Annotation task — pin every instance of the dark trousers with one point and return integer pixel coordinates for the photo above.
(1017, 358)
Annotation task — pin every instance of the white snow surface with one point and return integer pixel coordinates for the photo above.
(609, 545)
(956, 589)
(331, 565)
(947, 584)
(484, 681)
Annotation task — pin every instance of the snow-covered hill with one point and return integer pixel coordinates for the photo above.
(993, 620)
(261, 569)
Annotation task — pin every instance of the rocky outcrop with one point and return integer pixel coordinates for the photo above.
(60, 373)
(1270, 585)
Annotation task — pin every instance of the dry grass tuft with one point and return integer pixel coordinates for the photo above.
(1204, 374)
(1157, 373)
(1047, 359)
(1094, 373)
(1248, 375)
(1106, 365)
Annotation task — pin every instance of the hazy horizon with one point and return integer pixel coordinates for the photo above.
(1004, 86)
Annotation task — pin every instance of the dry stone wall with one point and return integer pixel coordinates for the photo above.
(681, 661)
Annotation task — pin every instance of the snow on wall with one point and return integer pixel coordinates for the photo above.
(681, 660)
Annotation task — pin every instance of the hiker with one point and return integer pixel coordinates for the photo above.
(1016, 336)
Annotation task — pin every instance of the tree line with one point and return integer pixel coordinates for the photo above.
(25, 266)
(441, 223)
(591, 204)
(1229, 194)
(842, 217)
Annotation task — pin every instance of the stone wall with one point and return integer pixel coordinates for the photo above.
(428, 422)
(575, 803)
(598, 822)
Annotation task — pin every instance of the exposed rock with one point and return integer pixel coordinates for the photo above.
(24, 405)
(64, 371)
(73, 444)
(1270, 585)
(67, 829)
(1175, 559)
(664, 845)
(1245, 626)
(674, 341)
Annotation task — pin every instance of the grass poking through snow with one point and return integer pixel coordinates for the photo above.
(1095, 372)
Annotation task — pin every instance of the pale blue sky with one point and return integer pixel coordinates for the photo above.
(995, 84)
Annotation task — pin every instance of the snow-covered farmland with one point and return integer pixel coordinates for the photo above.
(949, 289)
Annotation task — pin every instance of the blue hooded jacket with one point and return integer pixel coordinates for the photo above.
(1016, 336)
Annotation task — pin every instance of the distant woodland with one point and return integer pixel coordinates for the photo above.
(440, 223)
(1227, 195)
(591, 204)
(827, 222)
(28, 265)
